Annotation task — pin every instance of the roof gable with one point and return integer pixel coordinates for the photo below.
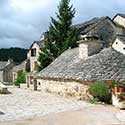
(119, 14)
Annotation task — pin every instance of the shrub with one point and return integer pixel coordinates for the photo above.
(101, 91)
(122, 84)
(112, 83)
(122, 96)
(94, 100)
(21, 78)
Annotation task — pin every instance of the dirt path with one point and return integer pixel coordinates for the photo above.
(95, 115)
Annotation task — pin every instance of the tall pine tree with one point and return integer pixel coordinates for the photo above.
(61, 35)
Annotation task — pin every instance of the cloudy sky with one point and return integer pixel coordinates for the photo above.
(23, 21)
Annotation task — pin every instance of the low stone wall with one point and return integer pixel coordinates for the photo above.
(73, 89)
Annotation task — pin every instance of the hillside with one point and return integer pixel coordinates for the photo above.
(17, 54)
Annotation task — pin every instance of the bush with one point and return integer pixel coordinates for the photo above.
(21, 78)
(100, 91)
(112, 83)
(94, 100)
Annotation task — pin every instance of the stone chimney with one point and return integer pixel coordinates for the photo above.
(43, 36)
(89, 46)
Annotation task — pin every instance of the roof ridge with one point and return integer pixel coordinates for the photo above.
(100, 21)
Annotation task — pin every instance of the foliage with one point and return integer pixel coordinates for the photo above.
(122, 84)
(61, 35)
(122, 96)
(112, 83)
(17, 54)
(100, 91)
(21, 78)
(94, 100)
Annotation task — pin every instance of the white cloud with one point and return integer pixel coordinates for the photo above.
(30, 5)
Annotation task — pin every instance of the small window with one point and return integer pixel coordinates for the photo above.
(33, 52)
(116, 42)
(123, 48)
(35, 66)
(39, 83)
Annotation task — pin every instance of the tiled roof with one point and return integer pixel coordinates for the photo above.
(106, 65)
(22, 66)
(3, 64)
(103, 27)
(40, 43)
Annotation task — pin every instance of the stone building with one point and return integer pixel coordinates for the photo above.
(73, 71)
(33, 54)
(17, 68)
(6, 69)
(32, 59)
(105, 28)
(119, 19)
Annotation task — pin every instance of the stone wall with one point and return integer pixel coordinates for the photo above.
(8, 73)
(72, 89)
(83, 51)
(94, 48)
(87, 49)
(1, 76)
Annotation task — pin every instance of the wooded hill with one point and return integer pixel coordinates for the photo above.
(17, 54)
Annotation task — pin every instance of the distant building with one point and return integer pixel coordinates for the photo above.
(33, 54)
(32, 59)
(6, 69)
(119, 44)
(119, 19)
(18, 68)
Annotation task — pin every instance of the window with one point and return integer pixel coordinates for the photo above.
(35, 66)
(116, 42)
(33, 52)
(123, 48)
(39, 83)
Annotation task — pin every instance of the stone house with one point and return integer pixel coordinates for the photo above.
(104, 27)
(17, 68)
(33, 54)
(72, 72)
(32, 59)
(6, 69)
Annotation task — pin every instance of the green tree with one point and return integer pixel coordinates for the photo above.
(9, 53)
(101, 91)
(21, 78)
(61, 35)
